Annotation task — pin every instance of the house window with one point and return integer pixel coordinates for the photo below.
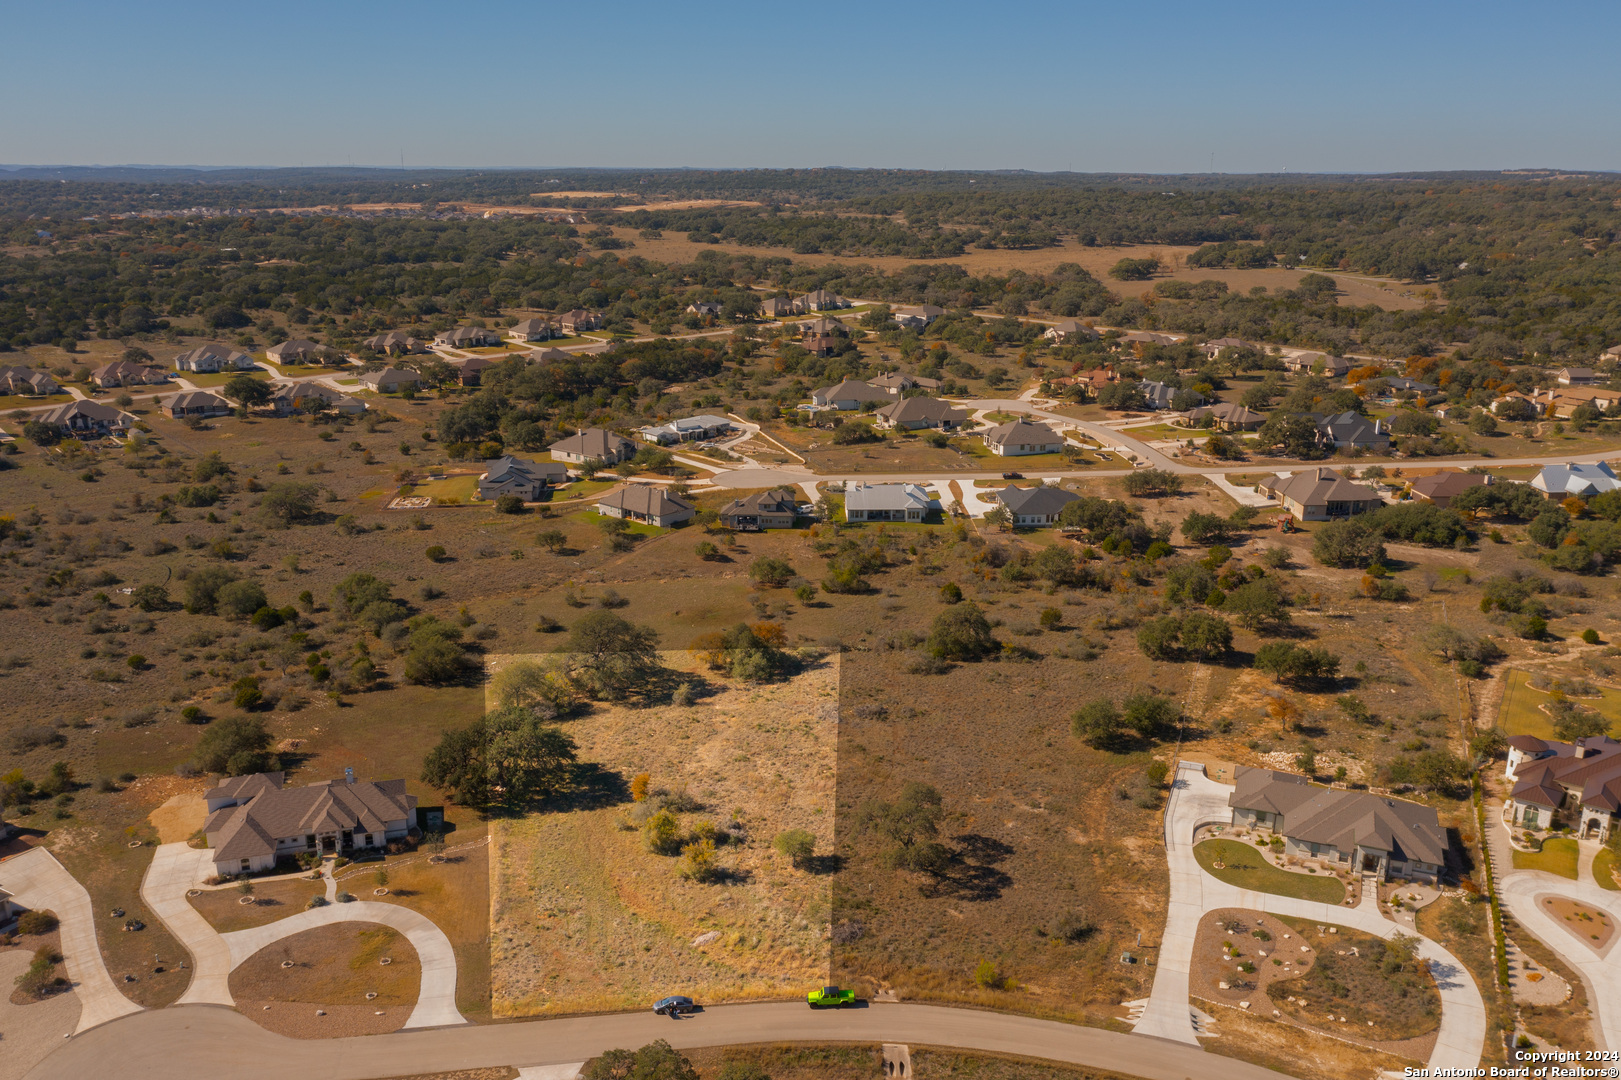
(244, 864)
(309, 841)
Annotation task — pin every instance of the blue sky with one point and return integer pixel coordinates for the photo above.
(1136, 86)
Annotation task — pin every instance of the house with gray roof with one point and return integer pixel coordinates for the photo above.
(887, 502)
(1351, 429)
(124, 373)
(199, 404)
(1161, 396)
(1577, 376)
(533, 330)
(294, 351)
(593, 444)
(253, 820)
(213, 357)
(913, 413)
(774, 509)
(1021, 437)
(390, 380)
(21, 380)
(849, 394)
(821, 300)
(898, 382)
(467, 337)
(87, 419)
(1563, 481)
(1442, 487)
(1359, 831)
(1319, 494)
(1309, 361)
(917, 317)
(1227, 415)
(687, 429)
(1034, 506)
(1558, 783)
(780, 307)
(395, 343)
(647, 503)
(529, 480)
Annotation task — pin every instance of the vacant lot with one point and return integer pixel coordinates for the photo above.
(586, 917)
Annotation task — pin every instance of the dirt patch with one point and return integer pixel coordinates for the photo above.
(333, 966)
(1593, 927)
(304, 1020)
(179, 818)
(31, 944)
(1293, 1052)
(586, 917)
(270, 901)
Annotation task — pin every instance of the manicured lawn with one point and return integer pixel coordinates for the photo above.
(219, 378)
(18, 401)
(1558, 856)
(292, 371)
(1244, 867)
(581, 489)
(462, 488)
(1604, 871)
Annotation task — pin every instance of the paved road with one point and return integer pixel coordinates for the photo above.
(1523, 892)
(221, 1044)
(1195, 800)
(39, 882)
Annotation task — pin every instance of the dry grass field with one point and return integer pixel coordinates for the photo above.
(271, 901)
(316, 984)
(586, 918)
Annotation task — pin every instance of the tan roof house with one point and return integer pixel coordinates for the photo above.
(594, 444)
(579, 321)
(775, 509)
(533, 330)
(390, 380)
(196, 404)
(1068, 331)
(1021, 437)
(294, 351)
(1440, 488)
(395, 343)
(1319, 495)
(124, 373)
(253, 820)
(910, 414)
(212, 357)
(647, 503)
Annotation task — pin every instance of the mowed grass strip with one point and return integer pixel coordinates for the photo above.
(1558, 856)
(1243, 866)
(1604, 871)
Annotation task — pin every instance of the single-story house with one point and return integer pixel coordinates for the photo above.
(1069, 330)
(288, 398)
(780, 307)
(467, 337)
(1563, 481)
(647, 503)
(1308, 361)
(253, 820)
(579, 320)
(1403, 384)
(849, 394)
(1613, 353)
(21, 380)
(533, 330)
(1021, 437)
(205, 359)
(1344, 830)
(703, 307)
(1161, 397)
(294, 351)
(897, 383)
(1577, 376)
(395, 343)
(821, 300)
(199, 403)
(594, 444)
(1215, 345)
(9, 908)
(1352, 429)
(775, 509)
(390, 380)
(886, 502)
(1562, 403)
(1440, 488)
(517, 476)
(1034, 506)
(917, 317)
(1228, 415)
(686, 429)
(90, 418)
(910, 414)
(1319, 495)
(1144, 337)
(1575, 783)
(470, 372)
(124, 373)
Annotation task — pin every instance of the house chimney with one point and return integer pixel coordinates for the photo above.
(1580, 746)
(348, 774)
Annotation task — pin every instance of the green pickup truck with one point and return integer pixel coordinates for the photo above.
(830, 997)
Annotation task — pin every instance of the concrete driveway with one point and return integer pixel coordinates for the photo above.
(39, 882)
(175, 869)
(436, 1001)
(1523, 891)
(171, 1044)
(1196, 800)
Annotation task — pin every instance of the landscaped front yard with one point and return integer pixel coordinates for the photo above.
(1558, 856)
(1244, 866)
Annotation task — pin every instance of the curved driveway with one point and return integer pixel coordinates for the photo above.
(1197, 800)
(178, 867)
(183, 1044)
